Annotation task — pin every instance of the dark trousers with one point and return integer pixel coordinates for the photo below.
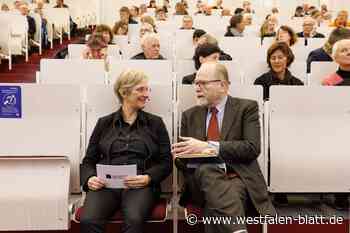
(100, 206)
(220, 195)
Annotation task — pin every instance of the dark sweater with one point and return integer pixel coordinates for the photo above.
(141, 56)
(317, 55)
(346, 77)
(317, 35)
(268, 79)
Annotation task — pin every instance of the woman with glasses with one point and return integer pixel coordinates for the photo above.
(127, 136)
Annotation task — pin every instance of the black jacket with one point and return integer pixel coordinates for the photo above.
(268, 79)
(141, 56)
(317, 35)
(154, 133)
(317, 55)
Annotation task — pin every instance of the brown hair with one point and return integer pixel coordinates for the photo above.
(293, 36)
(118, 25)
(336, 35)
(104, 28)
(96, 41)
(235, 20)
(284, 48)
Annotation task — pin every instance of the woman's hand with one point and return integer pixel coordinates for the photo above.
(134, 182)
(95, 183)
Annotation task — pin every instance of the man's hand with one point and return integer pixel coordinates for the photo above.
(94, 183)
(190, 146)
(139, 181)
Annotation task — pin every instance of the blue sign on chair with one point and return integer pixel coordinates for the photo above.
(10, 102)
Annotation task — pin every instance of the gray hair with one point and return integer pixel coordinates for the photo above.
(337, 46)
(147, 37)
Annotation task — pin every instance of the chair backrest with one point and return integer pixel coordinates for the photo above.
(122, 42)
(186, 67)
(183, 39)
(75, 51)
(69, 71)
(306, 154)
(38, 29)
(319, 71)
(5, 33)
(49, 124)
(158, 71)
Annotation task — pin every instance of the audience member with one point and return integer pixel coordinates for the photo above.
(150, 20)
(341, 20)
(106, 33)
(204, 53)
(268, 29)
(128, 136)
(324, 53)
(125, 16)
(299, 12)
(279, 58)
(161, 14)
(196, 35)
(96, 48)
(236, 27)
(152, 4)
(120, 28)
(187, 23)
(287, 35)
(150, 46)
(146, 28)
(5, 7)
(180, 9)
(341, 55)
(309, 29)
(207, 38)
(247, 6)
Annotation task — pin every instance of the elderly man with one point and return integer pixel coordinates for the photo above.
(150, 46)
(309, 29)
(228, 129)
(187, 23)
(341, 55)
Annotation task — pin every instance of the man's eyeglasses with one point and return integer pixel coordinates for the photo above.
(202, 83)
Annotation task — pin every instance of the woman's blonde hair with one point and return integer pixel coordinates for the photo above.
(126, 81)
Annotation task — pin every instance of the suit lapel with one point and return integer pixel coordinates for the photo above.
(200, 127)
(230, 114)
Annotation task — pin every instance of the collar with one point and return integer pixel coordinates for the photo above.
(235, 32)
(221, 106)
(118, 117)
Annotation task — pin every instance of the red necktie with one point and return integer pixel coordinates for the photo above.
(213, 127)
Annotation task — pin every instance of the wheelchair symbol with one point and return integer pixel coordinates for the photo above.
(9, 100)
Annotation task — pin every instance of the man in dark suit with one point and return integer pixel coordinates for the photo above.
(229, 128)
(309, 29)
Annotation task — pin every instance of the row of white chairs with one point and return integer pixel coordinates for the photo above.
(84, 72)
(297, 125)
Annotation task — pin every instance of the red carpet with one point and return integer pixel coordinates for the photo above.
(24, 72)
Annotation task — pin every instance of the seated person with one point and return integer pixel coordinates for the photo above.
(279, 58)
(248, 19)
(226, 12)
(275, 10)
(134, 13)
(96, 48)
(236, 27)
(150, 20)
(299, 12)
(106, 32)
(187, 23)
(204, 53)
(341, 20)
(287, 35)
(324, 12)
(196, 35)
(145, 28)
(152, 4)
(207, 38)
(309, 29)
(125, 16)
(238, 11)
(247, 6)
(341, 55)
(218, 5)
(324, 53)
(316, 15)
(268, 29)
(127, 136)
(229, 183)
(200, 8)
(150, 46)
(143, 10)
(24, 9)
(120, 28)
(180, 9)
(60, 4)
(5, 7)
(161, 14)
